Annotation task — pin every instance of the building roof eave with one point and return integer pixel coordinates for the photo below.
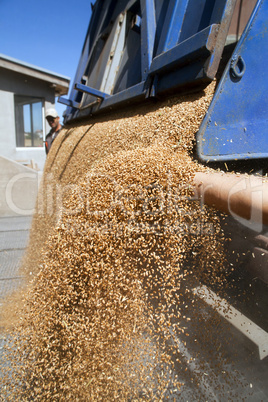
(59, 82)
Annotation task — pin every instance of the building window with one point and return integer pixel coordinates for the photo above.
(29, 121)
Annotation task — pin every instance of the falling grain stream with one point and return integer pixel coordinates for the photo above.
(117, 242)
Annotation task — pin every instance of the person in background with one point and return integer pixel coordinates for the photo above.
(54, 122)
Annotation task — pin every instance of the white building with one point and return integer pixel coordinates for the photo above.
(26, 91)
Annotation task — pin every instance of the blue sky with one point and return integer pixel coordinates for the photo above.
(49, 34)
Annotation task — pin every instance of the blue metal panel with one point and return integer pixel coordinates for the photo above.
(173, 25)
(197, 17)
(192, 48)
(147, 48)
(236, 124)
(147, 36)
(135, 92)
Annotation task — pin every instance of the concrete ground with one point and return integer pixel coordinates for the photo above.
(14, 234)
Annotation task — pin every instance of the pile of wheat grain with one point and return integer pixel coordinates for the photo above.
(115, 235)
